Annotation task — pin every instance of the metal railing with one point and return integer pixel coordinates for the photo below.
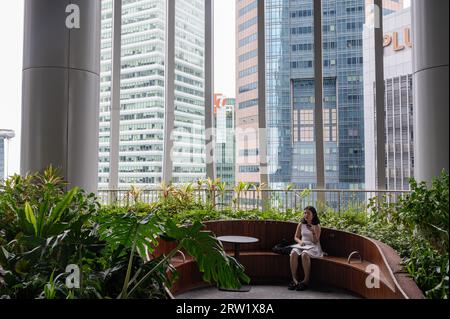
(337, 199)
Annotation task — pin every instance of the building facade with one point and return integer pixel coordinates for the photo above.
(225, 146)
(142, 101)
(246, 110)
(398, 103)
(290, 92)
(291, 99)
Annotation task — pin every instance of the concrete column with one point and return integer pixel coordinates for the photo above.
(430, 31)
(209, 89)
(169, 90)
(318, 109)
(262, 136)
(114, 133)
(380, 97)
(60, 94)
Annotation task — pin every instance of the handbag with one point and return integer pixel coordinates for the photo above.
(283, 248)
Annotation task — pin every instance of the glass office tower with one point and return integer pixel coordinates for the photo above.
(290, 92)
(142, 103)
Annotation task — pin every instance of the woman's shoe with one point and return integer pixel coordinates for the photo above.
(292, 286)
(302, 286)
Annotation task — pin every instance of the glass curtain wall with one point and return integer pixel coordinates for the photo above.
(291, 98)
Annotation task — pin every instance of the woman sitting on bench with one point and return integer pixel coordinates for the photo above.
(308, 246)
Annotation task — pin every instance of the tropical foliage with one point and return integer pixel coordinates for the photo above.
(44, 227)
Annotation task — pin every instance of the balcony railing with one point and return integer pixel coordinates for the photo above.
(253, 199)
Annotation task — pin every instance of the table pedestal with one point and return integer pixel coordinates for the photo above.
(236, 241)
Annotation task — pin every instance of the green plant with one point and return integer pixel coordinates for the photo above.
(139, 235)
(135, 194)
(426, 210)
(43, 230)
(238, 189)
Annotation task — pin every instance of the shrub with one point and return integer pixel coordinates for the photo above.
(44, 228)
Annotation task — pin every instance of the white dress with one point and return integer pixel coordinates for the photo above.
(307, 239)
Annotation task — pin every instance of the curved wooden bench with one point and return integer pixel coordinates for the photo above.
(265, 267)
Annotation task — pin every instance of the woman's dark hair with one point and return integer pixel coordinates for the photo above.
(315, 220)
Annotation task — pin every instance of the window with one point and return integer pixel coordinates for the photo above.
(249, 152)
(248, 8)
(248, 87)
(248, 55)
(248, 39)
(249, 71)
(248, 103)
(306, 117)
(307, 134)
(247, 24)
(249, 169)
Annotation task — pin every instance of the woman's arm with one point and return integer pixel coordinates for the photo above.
(316, 231)
(298, 234)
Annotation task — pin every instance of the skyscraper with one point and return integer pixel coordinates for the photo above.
(142, 95)
(398, 103)
(291, 99)
(225, 148)
(247, 119)
(290, 92)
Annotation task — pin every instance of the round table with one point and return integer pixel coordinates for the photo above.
(237, 241)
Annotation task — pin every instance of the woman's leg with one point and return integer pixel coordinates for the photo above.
(306, 262)
(294, 266)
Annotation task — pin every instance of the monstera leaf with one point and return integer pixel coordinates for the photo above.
(127, 230)
(132, 233)
(207, 251)
(209, 254)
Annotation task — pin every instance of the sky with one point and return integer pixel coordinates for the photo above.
(11, 36)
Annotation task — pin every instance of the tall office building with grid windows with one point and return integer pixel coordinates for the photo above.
(142, 95)
(247, 90)
(291, 98)
(290, 92)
